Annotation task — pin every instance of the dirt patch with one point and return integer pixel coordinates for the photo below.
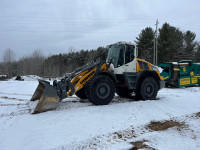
(124, 134)
(140, 144)
(160, 126)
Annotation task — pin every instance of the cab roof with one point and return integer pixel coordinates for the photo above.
(122, 43)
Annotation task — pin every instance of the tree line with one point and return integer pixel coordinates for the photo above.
(52, 66)
(173, 45)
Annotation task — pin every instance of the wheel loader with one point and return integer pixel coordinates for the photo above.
(98, 81)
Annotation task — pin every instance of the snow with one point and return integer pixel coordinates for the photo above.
(2, 75)
(77, 124)
(175, 63)
(160, 69)
(28, 78)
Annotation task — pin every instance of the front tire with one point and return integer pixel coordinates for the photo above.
(148, 89)
(100, 90)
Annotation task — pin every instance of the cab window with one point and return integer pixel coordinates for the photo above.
(129, 56)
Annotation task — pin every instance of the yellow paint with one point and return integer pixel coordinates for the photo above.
(192, 73)
(197, 76)
(104, 67)
(85, 76)
(184, 81)
(166, 77)
(176, 69)
(184, 69)
(82, 81)
(194, 80)
(138, 69)
(78, 77)
(161, 78)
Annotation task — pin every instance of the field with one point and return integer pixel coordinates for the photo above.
(172, 121)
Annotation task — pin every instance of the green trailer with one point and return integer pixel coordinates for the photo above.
(181, 74)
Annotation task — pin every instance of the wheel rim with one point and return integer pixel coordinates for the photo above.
(102, 90)
(149, 90)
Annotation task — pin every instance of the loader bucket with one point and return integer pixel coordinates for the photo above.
(47, 96)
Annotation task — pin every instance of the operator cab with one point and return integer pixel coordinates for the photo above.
(122, 55)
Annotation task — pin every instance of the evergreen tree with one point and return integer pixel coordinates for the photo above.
(145, 42)
(189, 42)
(197, 54)
(170, 42)
(102, 52)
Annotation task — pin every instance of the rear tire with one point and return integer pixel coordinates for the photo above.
(81, 93)
(148, 89)
(100, 90)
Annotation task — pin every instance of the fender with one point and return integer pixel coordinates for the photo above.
(109, 74)
(147, 73)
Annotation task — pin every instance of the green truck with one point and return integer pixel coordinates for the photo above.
(181, 74)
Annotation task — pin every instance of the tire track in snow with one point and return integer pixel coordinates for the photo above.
(67, 104)
(16, 94)
(101, 141)
(9, 98)
(132, 134)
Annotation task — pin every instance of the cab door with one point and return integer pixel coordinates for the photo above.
(129, 60)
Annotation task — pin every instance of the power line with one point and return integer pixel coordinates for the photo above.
(67, 18)
(113, 32)
(100, 20)
(54, 40)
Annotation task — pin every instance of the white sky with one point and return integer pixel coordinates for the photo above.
(54, 26)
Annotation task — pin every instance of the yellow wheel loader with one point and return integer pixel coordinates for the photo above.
(98, 81)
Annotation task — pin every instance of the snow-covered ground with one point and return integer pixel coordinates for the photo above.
(27, 78)
(170, 122)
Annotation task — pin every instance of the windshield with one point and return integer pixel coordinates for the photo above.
(116, 53)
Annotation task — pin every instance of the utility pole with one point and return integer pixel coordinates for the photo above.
(154, 49)
(156, 43)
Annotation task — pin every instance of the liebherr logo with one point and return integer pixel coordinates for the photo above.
(87, 77)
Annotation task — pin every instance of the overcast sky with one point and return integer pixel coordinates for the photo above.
(56, 25)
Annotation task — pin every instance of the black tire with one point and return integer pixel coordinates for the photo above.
(81, 93)
(123, 92)
(100, 90)
(148, 89)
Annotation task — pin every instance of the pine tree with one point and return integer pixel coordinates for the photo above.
(170, 42)
(197, 54)
(189, 42)
(145, 42)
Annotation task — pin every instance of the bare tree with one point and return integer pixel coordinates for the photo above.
(37, 62)
(8, 56)
(32, 64)
(71, 49)
(8, 60)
